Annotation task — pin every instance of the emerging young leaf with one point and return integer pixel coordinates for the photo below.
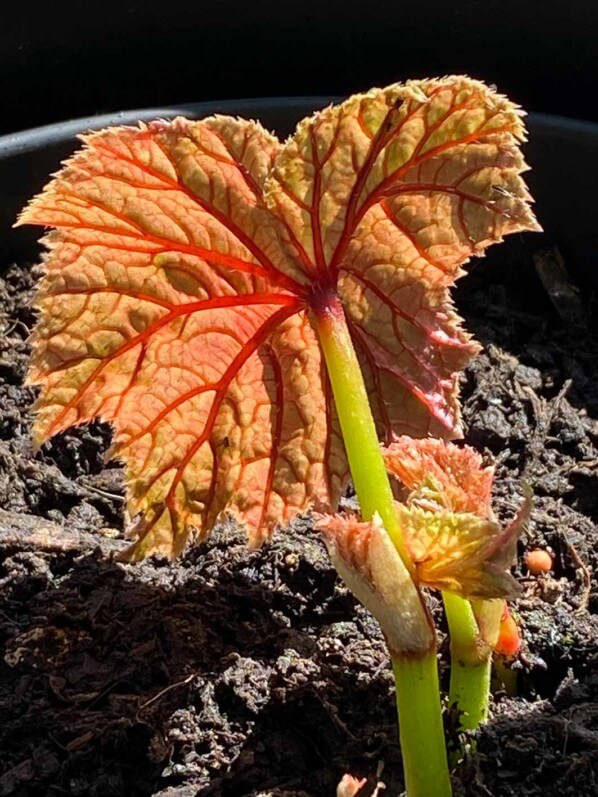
(442, 476)
(350, 786)
(508, 643)
(447, 521)
(186, 261)
(460, 552)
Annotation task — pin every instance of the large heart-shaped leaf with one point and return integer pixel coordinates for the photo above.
(183, 265)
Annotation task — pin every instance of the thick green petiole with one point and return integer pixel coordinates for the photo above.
(418, 704)
(368, 470)
(416, 677)
(471, 662)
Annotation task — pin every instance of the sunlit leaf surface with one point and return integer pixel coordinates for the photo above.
(447, 522)
(184, 261)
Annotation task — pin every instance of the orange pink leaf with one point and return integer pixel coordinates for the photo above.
(447, 522)
(183, 265)
(450, 476)
(165, 310)
(389, 194)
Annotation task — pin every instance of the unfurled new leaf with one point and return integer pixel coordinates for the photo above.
(164, 310)
(183, 266)
(447, 522)
(460, 552)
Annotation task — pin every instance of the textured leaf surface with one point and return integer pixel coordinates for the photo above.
(183, 265)
(447, 521)
(448, 476)
(389, 194)
(460, 552)
(162, 310)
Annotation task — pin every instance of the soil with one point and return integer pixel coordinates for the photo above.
(240, 673)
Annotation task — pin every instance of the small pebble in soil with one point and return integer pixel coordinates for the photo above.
(538, 561)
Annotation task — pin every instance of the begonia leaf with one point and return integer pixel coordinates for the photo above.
(460, 552)
(447, 521)
(388, 195)
(185, 258)
(450, 476)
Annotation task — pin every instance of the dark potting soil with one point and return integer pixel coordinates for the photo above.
(235, 673)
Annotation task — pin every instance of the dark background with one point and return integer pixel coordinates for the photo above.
(73, 58)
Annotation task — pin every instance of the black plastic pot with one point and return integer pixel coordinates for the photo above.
(563, 154)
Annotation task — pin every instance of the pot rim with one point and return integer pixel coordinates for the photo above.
(562, 152)
(57, 133)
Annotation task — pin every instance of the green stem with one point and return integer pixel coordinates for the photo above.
(471, 661)
(368, 470)
(416, 678)
(418, 703)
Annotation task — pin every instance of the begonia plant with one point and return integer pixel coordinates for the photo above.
(254, 318)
